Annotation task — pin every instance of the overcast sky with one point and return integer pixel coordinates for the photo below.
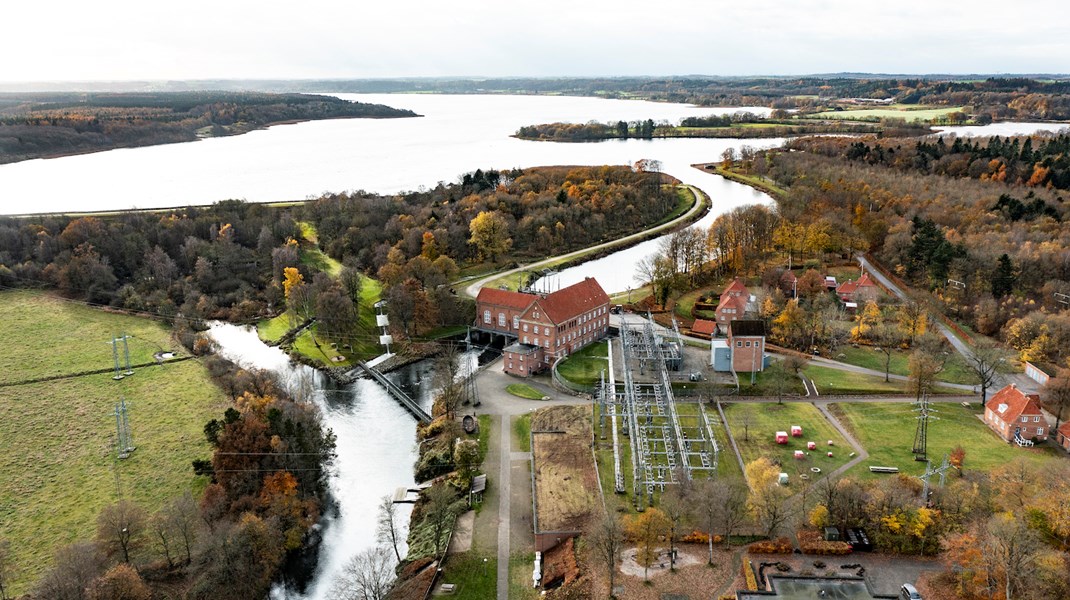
(195, 39)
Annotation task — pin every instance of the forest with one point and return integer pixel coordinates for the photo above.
(53, 124)
(229, 260)
(713, 126)
(984, 236)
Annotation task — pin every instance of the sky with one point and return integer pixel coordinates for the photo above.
(65, 40)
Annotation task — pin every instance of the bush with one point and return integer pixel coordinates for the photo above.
(748, 574)
(700, 537)
(778, 546)
(810, 542)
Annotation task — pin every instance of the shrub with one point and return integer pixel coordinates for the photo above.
(748, 573)
(700, 537)
(778, 546)
(810, 542)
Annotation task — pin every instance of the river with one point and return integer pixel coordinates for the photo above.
(376, 445)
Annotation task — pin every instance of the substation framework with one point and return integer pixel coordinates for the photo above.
(665, 445)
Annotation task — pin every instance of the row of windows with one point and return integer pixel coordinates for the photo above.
(739, 344)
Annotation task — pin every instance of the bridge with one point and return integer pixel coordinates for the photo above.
(397, 393)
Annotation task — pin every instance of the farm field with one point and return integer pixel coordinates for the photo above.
(57, 455)
(766, 418)
(910, 112)
(886, 431)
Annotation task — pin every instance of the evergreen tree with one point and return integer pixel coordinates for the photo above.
(1004, 278)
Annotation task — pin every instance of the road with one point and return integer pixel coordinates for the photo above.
(473, 288)
(1023, 382)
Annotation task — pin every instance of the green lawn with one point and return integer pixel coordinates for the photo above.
(765, 385)
(56, 438)
(272, 330)
(474, 574)
(767, 418)
(317, 347)
(523, 390)
(871, 358)
(520, 566)
(835, 381)
(909, 112)
(886, 431)
(312, 255)
(522, 432)
(585, 367)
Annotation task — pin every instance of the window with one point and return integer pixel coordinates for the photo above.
(516, 322)
(1040, 431)
(1025, 419)
(501, 319)
(748, 343)
(525, 326)
(526, 339)
(1036, 419)
(536, 314)
(486, 316)
(535, 329)
(739, 344)
(536, 341)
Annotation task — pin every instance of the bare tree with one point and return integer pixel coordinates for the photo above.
(886, 338)
(76, 566)
(7, 569)
(121, 528)
(1015, 547)
(924, 367)
(387, 528)
(674, 505)
(746, 415)
(367, 576)
(720, 505)
(163, 537)
(184, 518)
(987, 363)
(607, 539)
(1057, 397)
(439, 512)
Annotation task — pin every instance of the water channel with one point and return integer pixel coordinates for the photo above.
(376, 437)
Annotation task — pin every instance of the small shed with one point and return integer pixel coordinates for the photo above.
(796, 431)
(782, 437)
(832, 534)
(800, 455)
(720, 356)
(811, 445)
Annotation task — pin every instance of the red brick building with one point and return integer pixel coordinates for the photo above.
(546, 327)
(746, 340)
(733, 304)
(1013, 414)
(861, 291)
(1062, 436)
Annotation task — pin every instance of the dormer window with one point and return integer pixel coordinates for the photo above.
(1002, 408)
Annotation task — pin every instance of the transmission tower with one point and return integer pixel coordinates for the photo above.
(126, 352)
(115, 357)
(921, 436)
(124, 441)
(930, 471)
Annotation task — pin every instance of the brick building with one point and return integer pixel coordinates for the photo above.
(546, 327)
(1016, 416)
(746, 341)
(732, 305)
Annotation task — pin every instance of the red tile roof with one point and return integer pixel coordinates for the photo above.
(1064, 429)
(574, 300)
(703, 326)
(506, 298)
(850, 287)
(737, 302)
(1014, 403)
(735, 286)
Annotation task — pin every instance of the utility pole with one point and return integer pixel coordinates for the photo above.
(1063, 299)
(929, 472)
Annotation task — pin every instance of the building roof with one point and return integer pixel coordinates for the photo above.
(735, 286)
(1011, 403)
(746, 327)
(852, 286)
(506, 298)
(574, 300)
(737, 302)
(703, 326)
(520, 348)
(1064, 429)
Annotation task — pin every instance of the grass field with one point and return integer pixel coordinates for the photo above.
(474, 574)
(910, 112)
(57, 438)
(765, 385)
(835, 381)
(886, 431)
(523, 390)
(522, 432)
(272, 330)
(871, 358)
(767, 418)
(585, 367)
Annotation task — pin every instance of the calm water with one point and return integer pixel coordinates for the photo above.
(458, 134)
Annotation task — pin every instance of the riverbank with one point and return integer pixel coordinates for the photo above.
(757, 183)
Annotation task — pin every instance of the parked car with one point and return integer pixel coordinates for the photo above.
(909, 592)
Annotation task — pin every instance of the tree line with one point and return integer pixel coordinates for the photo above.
(40, 125)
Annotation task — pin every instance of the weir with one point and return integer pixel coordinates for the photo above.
(396, 392)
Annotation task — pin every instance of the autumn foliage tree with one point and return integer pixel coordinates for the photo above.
(647, 529)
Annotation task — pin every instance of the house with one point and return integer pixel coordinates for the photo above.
(1016, 416)
(546, 327)
(733, 304)
(858, 291)
(1062, 436)
(746, 341)
(704, 328)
